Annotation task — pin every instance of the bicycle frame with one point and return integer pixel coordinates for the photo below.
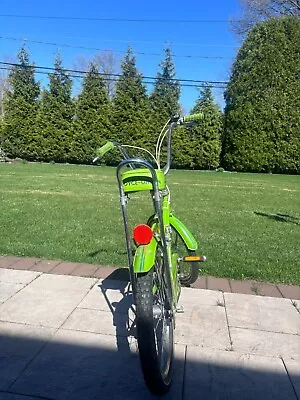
(162, 211)
(144, 257)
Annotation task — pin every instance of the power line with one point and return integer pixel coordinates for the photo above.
(194, 81)
(161, 43)
(104, 50)
(53, 69)
(143, 20)
(107, 79)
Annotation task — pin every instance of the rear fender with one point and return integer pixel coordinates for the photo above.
(144, 257)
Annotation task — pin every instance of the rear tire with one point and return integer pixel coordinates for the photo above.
(155, 328)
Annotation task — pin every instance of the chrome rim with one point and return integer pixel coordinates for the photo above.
(163, 322)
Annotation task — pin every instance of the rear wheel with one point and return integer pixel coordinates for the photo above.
(154, 323)
(187, 271)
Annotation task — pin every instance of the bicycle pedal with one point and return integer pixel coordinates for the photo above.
(194, 259)
(180, 309)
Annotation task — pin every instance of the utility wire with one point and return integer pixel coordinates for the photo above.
(111, 74)
(115, 51)
(143, 20)
(160, 43)
(106, 79)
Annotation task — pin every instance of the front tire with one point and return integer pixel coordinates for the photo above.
(154, 323)
(187, 271)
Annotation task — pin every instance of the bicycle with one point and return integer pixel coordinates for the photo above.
(164, 257)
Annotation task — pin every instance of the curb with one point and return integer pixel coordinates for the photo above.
(103, 272)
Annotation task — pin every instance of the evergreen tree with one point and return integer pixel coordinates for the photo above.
(202, 142)
(130, 107)
(262, 119)
(20, 107)
(164, 99)
(55, 116)
(91, 126)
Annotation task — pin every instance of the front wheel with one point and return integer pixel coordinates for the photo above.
(154, 323)
(187, 271)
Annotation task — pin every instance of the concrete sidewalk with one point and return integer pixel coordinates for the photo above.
(71, 337)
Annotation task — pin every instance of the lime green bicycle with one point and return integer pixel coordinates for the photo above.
(161, 257)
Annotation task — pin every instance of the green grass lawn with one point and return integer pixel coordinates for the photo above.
(248, 225)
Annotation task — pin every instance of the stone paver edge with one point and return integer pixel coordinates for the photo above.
(103, 271)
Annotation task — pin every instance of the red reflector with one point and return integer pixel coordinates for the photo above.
(142, 234)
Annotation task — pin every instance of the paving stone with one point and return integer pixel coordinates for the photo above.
(19, 344)
(64, 268)
(245, 287)
(118, 274)
(201, 283)
(43, 304)
(7, 290)
(25, 263)
(42, 309)
(45, 266)
(267, 289)
(214, 375)
(293, 369)
(108, 296)
(218, 284)
(106, 323)
(85, 270)
(290, 291)
(205, 326)
(62, 283)
(104, 272)
(16, 276)
(198, 297)
(260, 301)
(79, 365)
(265, 343)
(8, 261)
(254, 314)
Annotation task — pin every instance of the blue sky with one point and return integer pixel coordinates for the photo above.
(194, 39)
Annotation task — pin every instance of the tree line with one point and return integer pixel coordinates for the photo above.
(50, 125)
(259, 130)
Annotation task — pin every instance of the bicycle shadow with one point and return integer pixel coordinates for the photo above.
(103, 251)
(279, 217)
(123, 311)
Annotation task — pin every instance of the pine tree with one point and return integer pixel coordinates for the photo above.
(130, 107)
(262, 119)
(208, 131)
(199, 146)
(20, 107)
(92, 126)
(164, 99)
(55, 116)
